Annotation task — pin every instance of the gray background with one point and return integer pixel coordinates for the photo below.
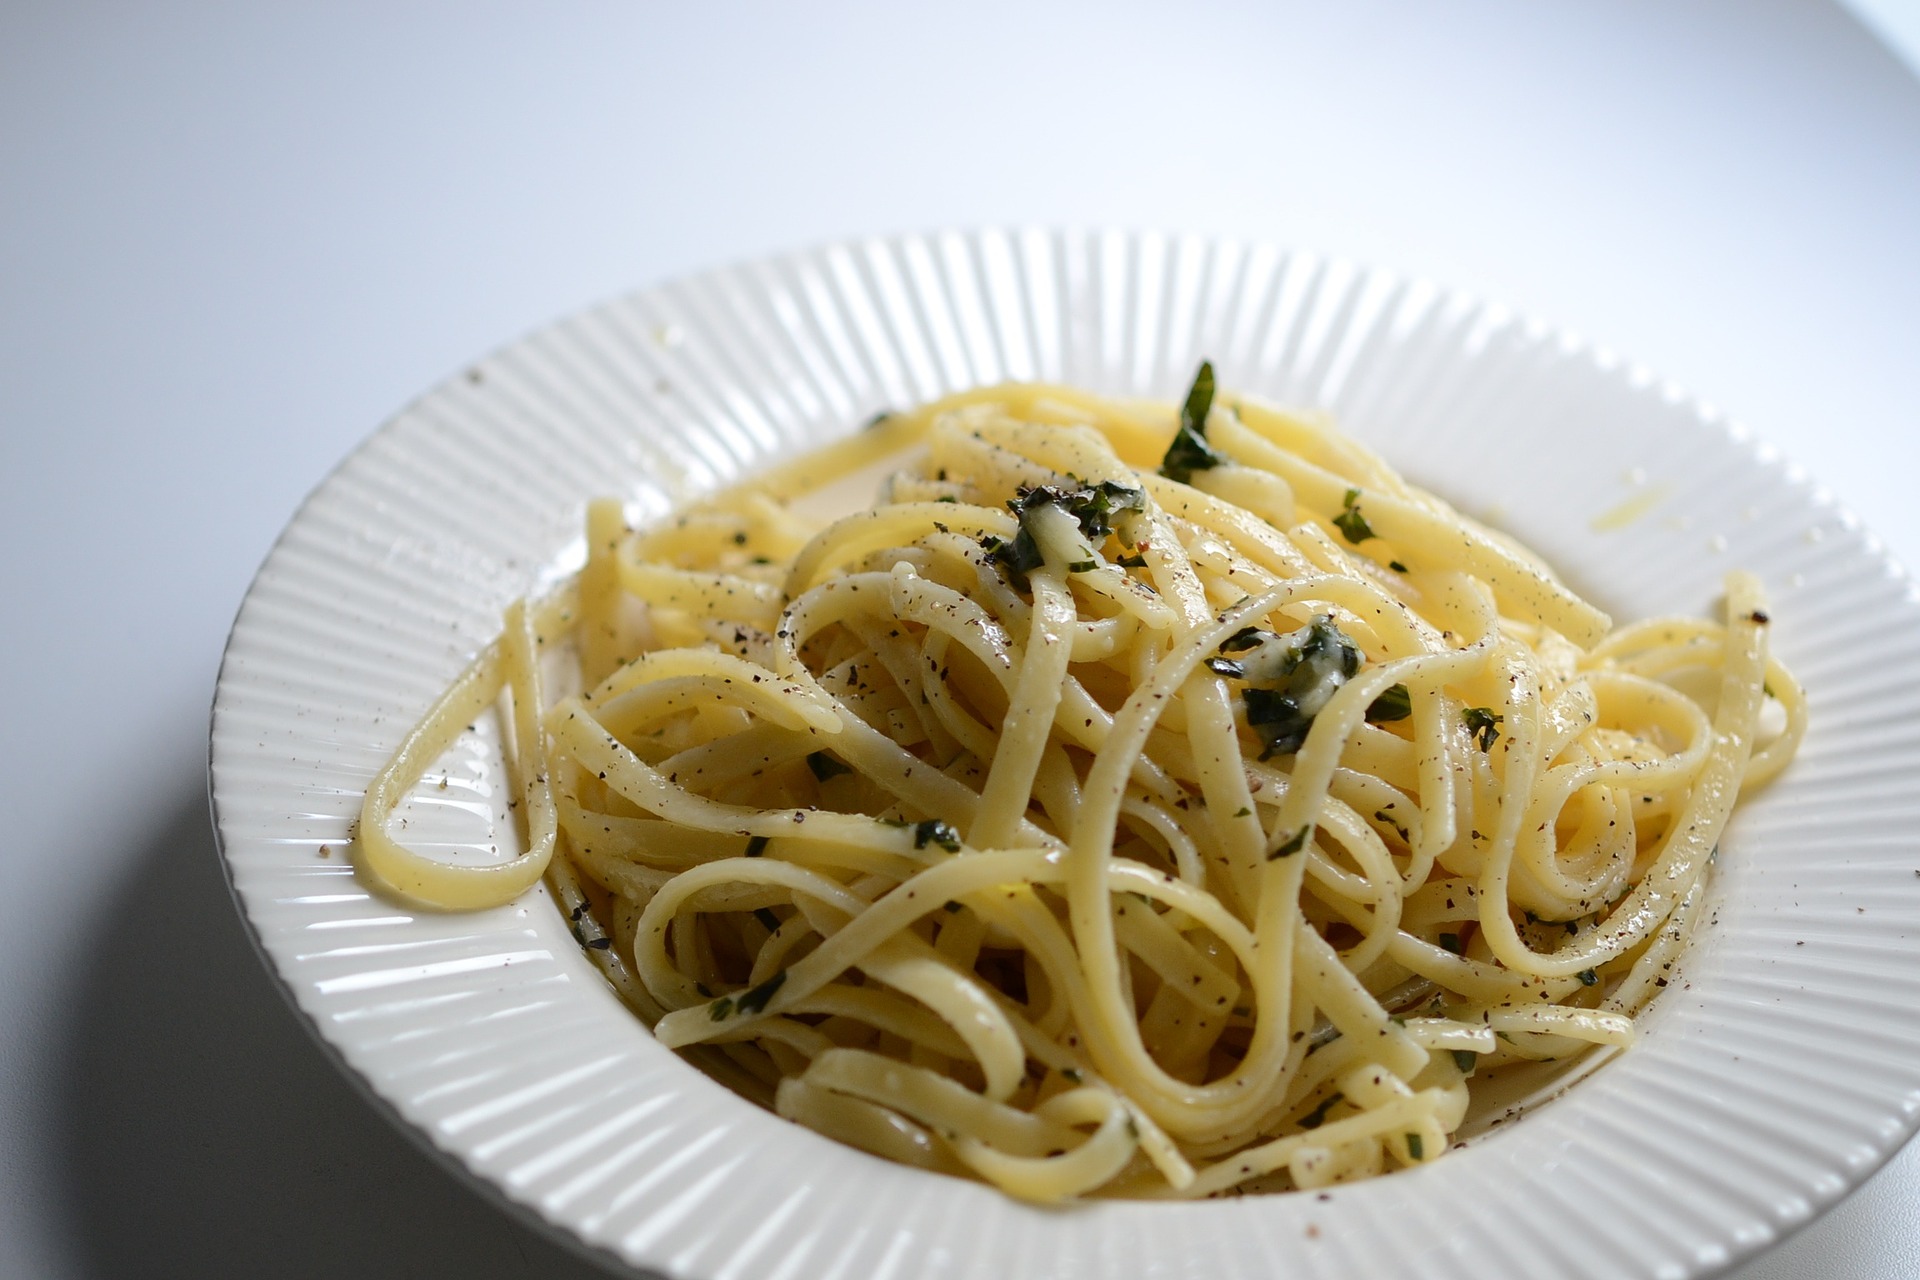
(234, 238)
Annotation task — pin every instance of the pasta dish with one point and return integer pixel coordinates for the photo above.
(1138, 800)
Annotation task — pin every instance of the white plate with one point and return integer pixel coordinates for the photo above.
(1779, 1072)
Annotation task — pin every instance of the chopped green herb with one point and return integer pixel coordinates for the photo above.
(1226, 667)
(757, 846)
(1293, 843)
(1190, 451)
(825, 766)
(755, 1001)
(1450, 942)
(1244, 638)
(934, 831)
(946, 497)
(1416, 1149)
(878, 418)
(1588, 978)
(599, 944)
(720, 1010)
(1133, 562)
(1467, 1060)
(1071, 1075)
(1243, 812)
(1096, 506)
(1395, 704)
(766, 917)
(1311, 664)
(951, 905)
(1083, 566)
(1019, 557)
(1092, 507)
(1396, 566)
(1352, 525)
(1482, 725)
(1318, 1116)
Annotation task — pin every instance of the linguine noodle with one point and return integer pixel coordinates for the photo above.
(1139, 800)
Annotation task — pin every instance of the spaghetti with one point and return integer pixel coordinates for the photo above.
(1137, 801)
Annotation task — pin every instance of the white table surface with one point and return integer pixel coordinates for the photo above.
(234, 238)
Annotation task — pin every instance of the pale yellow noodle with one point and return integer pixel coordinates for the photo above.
(970, 829)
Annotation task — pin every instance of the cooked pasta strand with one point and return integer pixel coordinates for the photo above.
(1140, 802)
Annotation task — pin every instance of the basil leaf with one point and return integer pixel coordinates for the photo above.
(755, 1001)
(1482, 725)
(1395, 704)
(1352, 525)
(1318, 1116)
(1190, 451)
(1294, 844)
(934, 831)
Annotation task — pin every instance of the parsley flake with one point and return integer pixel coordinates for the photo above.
(934, 831)
(1318, 1116)
(1297, 675)
(1293, 843)
(1352, 525)
(1244, 638)
(1190, 451)
(1482, 725)
(1395, 704)
(755, 1001)
(1093, 508)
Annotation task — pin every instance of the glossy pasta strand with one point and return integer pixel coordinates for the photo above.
(1097, 826)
